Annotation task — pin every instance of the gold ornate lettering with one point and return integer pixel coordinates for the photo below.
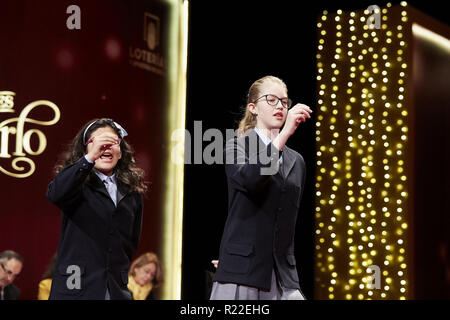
(22, 137)
(6, 101)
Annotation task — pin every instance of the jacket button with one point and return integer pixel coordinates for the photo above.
(280, 209)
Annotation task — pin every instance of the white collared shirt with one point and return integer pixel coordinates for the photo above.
(266, 141)
(106, 179)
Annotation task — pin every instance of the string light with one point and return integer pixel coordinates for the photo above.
(361, 134)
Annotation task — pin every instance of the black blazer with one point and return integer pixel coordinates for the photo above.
(97, 238)
(11, 292)
(262, 213)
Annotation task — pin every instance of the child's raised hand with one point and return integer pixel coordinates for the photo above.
(297, 114)
(97, 145)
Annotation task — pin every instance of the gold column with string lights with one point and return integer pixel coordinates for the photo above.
(362, 139)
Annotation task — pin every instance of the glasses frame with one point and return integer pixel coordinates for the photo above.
(288, 106)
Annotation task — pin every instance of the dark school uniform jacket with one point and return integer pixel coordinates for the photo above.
(97, 239)
(262, 212)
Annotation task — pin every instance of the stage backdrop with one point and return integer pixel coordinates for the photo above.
(63, 63)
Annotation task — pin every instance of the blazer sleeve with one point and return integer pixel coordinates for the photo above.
(65, 189)
(250, 168)
(137, 228)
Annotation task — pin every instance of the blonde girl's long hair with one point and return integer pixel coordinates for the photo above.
(248, 121)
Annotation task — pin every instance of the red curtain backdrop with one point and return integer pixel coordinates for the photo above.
(105, 69)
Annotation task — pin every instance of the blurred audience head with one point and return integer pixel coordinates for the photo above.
(146, 269)
(11, 264)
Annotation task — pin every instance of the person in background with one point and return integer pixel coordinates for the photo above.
(145, 275)
(46, 280)
(11, 264)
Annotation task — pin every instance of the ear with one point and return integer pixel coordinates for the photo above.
(252, 108)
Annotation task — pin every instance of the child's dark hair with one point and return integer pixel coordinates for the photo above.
(126, 171)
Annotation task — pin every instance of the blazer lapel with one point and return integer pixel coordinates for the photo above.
(98, 184)
(121, 192)
(288, 161)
